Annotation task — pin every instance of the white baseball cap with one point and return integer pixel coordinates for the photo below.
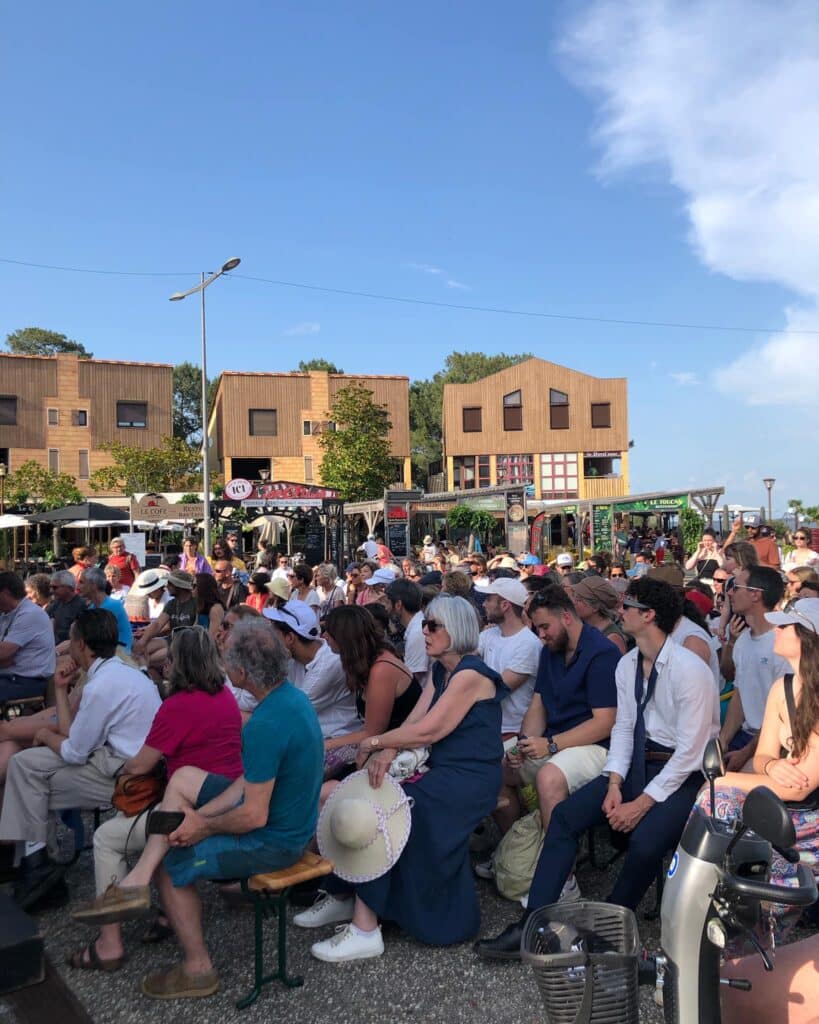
(381, 577)
(512, 591)
(565, 559)
(801, 613)
(298, 616)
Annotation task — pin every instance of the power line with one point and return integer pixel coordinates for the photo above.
(406, 300)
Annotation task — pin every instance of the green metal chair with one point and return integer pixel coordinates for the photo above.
(269, 895)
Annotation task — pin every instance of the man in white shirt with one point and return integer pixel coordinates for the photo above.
(748, 660)
(76, 765)
(404, 605)
(315, 669)
(370, 546)
(652, 773)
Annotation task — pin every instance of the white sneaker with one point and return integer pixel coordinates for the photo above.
(326, 910)
(484, 869)
(570, 893)
(349, 943)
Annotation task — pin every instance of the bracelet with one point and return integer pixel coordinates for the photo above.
(765, 766)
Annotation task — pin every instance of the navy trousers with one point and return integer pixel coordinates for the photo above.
(658, 832)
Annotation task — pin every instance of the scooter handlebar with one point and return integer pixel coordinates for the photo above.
(802, 896)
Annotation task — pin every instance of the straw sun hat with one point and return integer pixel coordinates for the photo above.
(362, 830)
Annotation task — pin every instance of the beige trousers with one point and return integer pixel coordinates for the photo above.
(117, 838)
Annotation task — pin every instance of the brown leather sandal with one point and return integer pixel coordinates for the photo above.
(78, 960)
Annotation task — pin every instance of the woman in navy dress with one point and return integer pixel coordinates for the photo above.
(430, 891)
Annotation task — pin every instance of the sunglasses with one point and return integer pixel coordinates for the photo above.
(630, 602)
(799, 536)
(721, 579)
(805, 621)
(744, 586)
(187, 629)
(618, 575)
(431, 625)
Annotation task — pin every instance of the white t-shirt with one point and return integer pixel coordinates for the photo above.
(415, 651)
(757, 669)
(518, 653)
(685, 629)
(324, 681)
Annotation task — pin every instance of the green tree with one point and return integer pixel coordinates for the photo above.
(357, 459)
(34, 484)
(305, 366)
(691, 527)
(172, 467)
(187, 402)
(426, 399)
(36, 341)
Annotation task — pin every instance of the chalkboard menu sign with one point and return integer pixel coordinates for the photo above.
(397, 522)
(314, 541)
(516, 526)
(601, 527)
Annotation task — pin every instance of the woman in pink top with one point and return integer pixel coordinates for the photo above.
(198, 724)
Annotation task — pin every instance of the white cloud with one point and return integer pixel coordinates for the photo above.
(685, 378)
(450, 282)
(721, 98)
(425, 268)
(299, 330)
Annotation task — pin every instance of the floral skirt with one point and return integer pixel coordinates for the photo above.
(729, 802)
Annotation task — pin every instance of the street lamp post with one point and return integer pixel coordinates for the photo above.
(3, 473)
(769, 481)
(204, 282)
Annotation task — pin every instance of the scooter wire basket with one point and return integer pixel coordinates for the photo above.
(584, 956)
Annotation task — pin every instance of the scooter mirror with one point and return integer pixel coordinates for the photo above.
(713, 766)
(766, 815)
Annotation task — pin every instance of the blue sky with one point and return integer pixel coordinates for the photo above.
(543, 157)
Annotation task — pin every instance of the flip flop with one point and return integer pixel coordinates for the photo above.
(94, 962)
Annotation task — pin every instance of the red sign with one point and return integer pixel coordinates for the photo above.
(396, 512)
(280, 490)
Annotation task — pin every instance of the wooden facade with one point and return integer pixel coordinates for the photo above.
(560, 432)
(65, 407)
(272, 422)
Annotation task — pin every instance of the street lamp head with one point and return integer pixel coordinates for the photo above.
(2, 470)
(231, 264)
(769, 481)
(177, 296)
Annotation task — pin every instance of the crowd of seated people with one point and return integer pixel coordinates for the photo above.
(582, 693)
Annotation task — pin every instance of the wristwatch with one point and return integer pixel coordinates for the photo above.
(553, 748)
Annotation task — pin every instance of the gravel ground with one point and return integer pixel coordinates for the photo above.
(410, 982)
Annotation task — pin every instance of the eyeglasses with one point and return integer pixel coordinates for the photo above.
(431, 625)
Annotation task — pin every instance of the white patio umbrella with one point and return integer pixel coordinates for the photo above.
(9, 521)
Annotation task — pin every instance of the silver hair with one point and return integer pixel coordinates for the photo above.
(328, 570)
(256, 649)
(64, 578)
(95, 576)
(458, 618)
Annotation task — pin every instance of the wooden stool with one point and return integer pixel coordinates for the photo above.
(16, 707)
(269, 894)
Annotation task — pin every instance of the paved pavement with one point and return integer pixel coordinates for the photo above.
(410, 983)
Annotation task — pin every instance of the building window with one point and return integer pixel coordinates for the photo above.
(601, 414)
(84, 474)
(558, 475)
(606, 464)
(469, 471)
(54, 417)
(306, 428)
(79, 418)
(558, 410)
(512, 411)
(8, 411)
(308, 469)
(515, 469)
(263, 422)
(132, 414)
(54, 460)
(472, 419)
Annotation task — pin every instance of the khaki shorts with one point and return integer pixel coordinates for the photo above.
(578, 765)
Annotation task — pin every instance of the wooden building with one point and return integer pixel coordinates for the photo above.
(58, 410)
(270, 423)
(561, 433)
